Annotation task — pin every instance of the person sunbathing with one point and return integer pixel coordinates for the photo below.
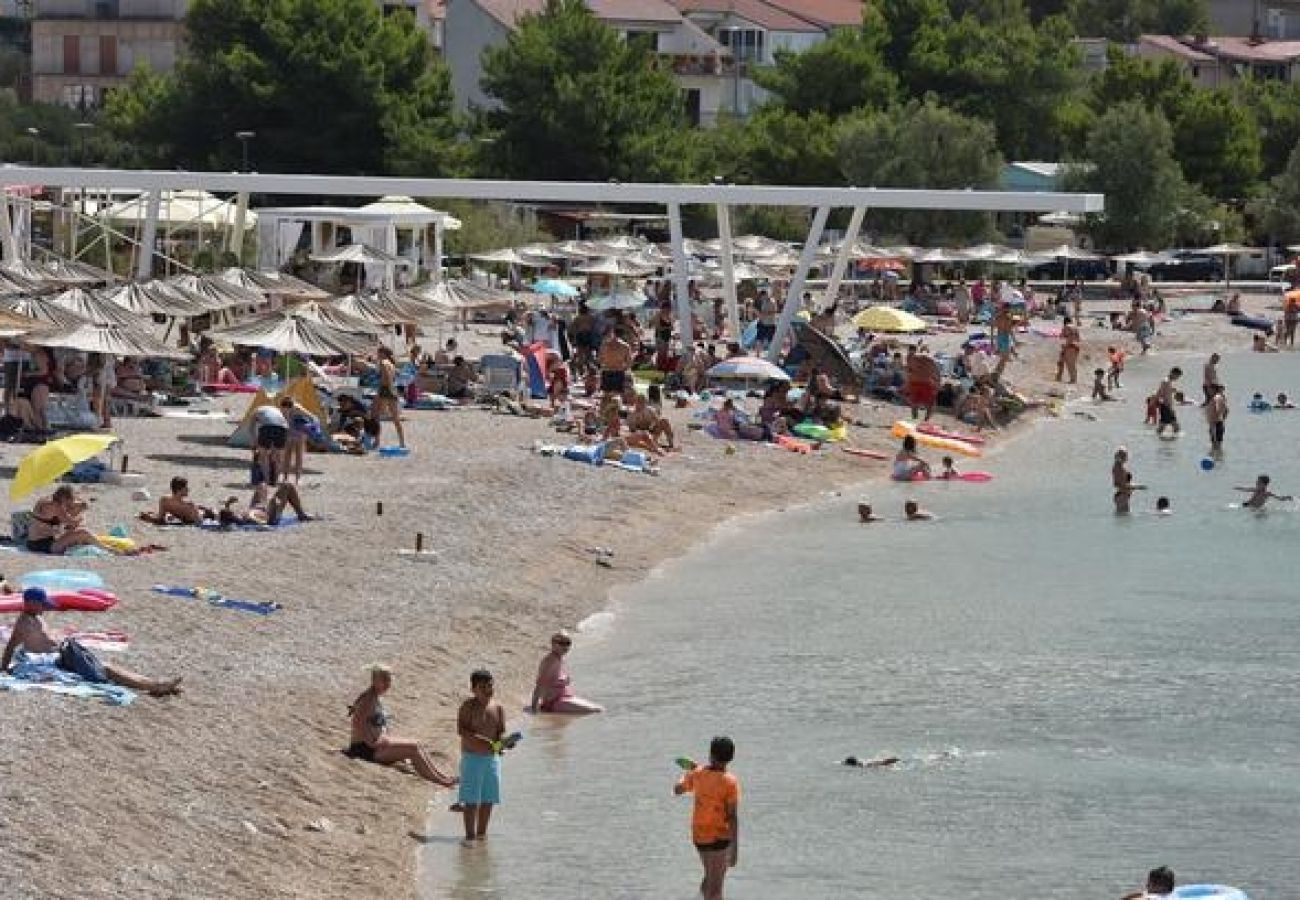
(265, 510)
(645, 420)
(177, 507)
(32, 636)
(57, 524)
(372, 742)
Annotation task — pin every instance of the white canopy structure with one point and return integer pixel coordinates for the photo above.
(183, 210)
(395, 223)
(94, 308)
(288, 332)
(113, 340)
(670, 196)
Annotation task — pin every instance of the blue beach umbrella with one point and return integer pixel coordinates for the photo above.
(554, 287)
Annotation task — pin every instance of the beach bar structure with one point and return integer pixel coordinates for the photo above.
(672, 197)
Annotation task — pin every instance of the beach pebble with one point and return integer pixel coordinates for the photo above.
(322, 825)
(250, 827)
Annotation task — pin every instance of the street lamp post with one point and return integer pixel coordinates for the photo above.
(83, 129)
(245, 138)
(36, 146)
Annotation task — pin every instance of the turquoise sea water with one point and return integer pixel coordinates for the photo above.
(1077, 697)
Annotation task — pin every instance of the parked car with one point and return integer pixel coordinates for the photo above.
(1187, 266)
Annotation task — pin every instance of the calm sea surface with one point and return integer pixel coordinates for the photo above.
(1077, 698)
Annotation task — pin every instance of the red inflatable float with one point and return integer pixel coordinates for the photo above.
(86, 600)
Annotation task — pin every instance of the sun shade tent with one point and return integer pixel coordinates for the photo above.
(215, 293)
(149, 298)
(303, 390)
(186, 210)
(385, 309)
(113, 340)
(330, 314)
(42, 309)
(96, 309)
(286, 332)
(276, 284)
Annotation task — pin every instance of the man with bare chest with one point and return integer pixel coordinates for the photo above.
(31, 635)
(615, 361)
(481, 724)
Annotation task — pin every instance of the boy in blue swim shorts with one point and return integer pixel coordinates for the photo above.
(481, 724)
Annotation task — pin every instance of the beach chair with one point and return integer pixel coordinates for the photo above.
(498, 373)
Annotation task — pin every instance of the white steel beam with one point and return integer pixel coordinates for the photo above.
(556, 191)
(681, 278)
(797, 282)
(842, 258)
(728, 271)
(149, 237)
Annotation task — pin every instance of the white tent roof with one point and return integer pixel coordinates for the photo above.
(181, 209)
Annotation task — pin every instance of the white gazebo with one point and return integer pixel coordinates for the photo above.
(394, 224)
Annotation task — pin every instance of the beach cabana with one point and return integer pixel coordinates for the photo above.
(93, 308)
(112, 340)
(288, 332)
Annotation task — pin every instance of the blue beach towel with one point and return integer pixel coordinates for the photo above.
(214, 599)
(37, 672)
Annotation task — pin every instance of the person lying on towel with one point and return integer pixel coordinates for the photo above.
(177, 507)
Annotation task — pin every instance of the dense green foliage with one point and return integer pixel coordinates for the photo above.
(925, 93)
(327, 86)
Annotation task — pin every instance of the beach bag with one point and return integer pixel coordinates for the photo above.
(20, 522)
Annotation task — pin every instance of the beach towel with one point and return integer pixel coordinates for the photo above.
(99, 641)
(37, 672)
(212, 525)
(212, 598)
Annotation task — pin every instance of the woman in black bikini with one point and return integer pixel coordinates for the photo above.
(370, 740)
(56, 524)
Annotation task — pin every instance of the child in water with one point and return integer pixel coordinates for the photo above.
(1260, 494)
(1099, 391)
(1162, 507)
(949, 470)
(1153, 410)
(913, 512)
(1116, 357)
(715, 823)
(865, 515)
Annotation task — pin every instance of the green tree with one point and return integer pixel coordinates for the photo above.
(922, 145)
(781, 147)
(1157, 84)
(1276, 108)
(327, 86)
(489, 226)
(1132, 163)
(1278, 210)
(575, 102)
(63, 137)
(1123, 20)
(1216, 140)
(989, 61)
(839, 75)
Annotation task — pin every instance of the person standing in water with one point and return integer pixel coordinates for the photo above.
(387, 404)
(1260, 494)
(481, 724)
(715, 822)
(1216, 415)
(1165, 400)
(1121, 480)
(552, 693)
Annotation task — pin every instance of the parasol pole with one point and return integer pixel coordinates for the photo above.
(7, 231)
(842, 258)
(728, 270)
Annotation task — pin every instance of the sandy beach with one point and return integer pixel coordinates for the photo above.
(238, 788)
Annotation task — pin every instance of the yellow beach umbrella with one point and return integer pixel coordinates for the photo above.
(886, 318)
(49, 461)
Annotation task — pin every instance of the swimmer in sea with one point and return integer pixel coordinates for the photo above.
(1162, 507)
(913, 512)
(880, 763)
(949, 470)
(1283, 402)
(1124, 494)
(1260, 494)
(1160, 886)
(866, 516)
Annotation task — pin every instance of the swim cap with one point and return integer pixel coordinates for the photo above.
(36, 596)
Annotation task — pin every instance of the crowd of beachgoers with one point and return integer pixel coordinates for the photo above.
(401, 529)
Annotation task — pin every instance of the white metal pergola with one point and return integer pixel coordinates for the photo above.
(670, 196)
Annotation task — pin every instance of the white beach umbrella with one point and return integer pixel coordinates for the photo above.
(98, 310)
(614, 266)
(747, 368)
(150, 298)
(112, 340)
(510, 256)
(616, 300)
(362, 254)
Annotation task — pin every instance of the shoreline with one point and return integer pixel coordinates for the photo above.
(218, 789)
